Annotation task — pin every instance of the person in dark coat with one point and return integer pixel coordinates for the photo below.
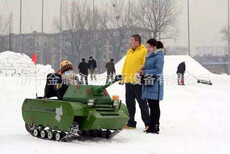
(180, 73)
(110, 70)
(92, 65)
(83, 70)
(58, 83)
(152, 89)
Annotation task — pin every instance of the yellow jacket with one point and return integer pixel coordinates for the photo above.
(134, 61)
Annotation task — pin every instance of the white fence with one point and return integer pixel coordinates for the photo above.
(17, 69)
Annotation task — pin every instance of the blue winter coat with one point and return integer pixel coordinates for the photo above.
(154, 66)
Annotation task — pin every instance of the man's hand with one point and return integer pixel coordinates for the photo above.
(122, 82)
(141, 71)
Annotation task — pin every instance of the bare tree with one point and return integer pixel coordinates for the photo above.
(76, 15)
(76, 19)
(115, 20)
(224, 33)
(158, 16)
(97, 36)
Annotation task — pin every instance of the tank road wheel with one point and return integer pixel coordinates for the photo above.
(80, 132)
(30, 128)
(50, 135)
(40, 128)
(36, 132)
(106, 134)
(103, 134)
(58, 136)
(43, 134)
(88, 133)
(109, 133)
(95, 133)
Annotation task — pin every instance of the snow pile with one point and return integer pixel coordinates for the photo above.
(16, 64)
(194, 118)
(18, 71)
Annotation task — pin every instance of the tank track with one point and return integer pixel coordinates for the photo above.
(73, 133)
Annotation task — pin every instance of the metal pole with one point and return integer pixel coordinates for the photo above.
(129, 14)
(94, 29)
(60, 31)
(160, 19)
(10, 31)
(41, 54)
(188, 30)
(228, 42)
(20, 29)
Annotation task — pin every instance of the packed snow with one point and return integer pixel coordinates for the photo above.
(194, 117)
(16, 64)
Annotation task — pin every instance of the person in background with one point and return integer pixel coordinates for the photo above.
(92, 65)
(152, 91)
(83, 70)
(110, 66)
(180, 73)
(134, 61)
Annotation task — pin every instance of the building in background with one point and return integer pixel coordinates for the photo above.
(112, 43)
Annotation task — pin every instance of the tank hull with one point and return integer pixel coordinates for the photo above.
(59, 115)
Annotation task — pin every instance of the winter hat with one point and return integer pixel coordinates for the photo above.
(65, 66)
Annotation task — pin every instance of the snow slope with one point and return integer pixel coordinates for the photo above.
(194, 118)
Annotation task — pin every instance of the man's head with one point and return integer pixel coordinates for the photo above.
(83, 59)
(90, 58)
(112, 60)
(135, 41)
(151, 45)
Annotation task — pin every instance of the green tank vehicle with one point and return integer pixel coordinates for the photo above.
(85, 110)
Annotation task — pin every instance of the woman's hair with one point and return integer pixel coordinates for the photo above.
(152, 42)
(160, 45)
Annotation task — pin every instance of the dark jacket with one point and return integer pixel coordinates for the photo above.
(154, 66)
(92, 64)
(83, 68)
(110, 68)
(181, 68)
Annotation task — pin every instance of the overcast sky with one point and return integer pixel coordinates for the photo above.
(207, 18)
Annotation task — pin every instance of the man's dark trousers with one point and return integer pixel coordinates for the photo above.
(134, 91)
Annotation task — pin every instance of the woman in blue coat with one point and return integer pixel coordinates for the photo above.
(152, 88)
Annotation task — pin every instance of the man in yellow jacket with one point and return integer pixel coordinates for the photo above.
(135, 60)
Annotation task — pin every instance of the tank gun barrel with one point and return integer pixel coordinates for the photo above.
(99, 90)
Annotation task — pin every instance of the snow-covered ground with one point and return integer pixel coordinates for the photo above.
(194, 118)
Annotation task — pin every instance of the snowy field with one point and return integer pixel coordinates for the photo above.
(194, 118)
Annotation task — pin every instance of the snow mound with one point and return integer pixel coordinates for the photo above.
(17, 64)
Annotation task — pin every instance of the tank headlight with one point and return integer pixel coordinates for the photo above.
(116, 103)
(90, 102)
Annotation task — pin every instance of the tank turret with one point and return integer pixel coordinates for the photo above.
(83, 93)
